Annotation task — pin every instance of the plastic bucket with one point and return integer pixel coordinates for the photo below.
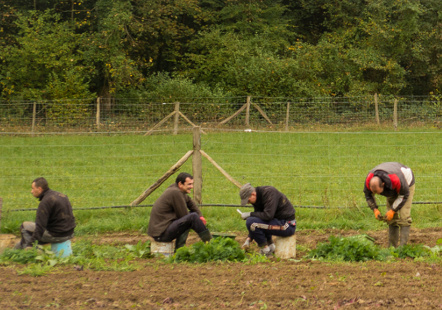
(165, 248)
(285, 247)
(62, 249)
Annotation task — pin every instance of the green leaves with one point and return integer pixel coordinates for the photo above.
(353, 249)
(218, 249)
(361, 248)
(85, 254)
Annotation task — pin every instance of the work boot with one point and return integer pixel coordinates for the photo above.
(205, 235)
(405, 232)
(393, 236)
(181, 240)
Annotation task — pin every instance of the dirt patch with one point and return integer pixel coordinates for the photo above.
(284, 284)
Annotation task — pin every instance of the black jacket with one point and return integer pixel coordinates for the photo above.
(55, 215)
(272, 204)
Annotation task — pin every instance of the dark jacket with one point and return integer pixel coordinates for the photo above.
(55, 215)
(172, 205)
(397, 178)
(272, 204)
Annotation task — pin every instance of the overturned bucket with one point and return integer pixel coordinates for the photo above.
(62, 249)
(165, 248)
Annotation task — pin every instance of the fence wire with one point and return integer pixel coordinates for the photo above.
(141, 115)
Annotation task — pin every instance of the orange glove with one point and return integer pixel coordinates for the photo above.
(376, 213)
(389, 215)
(203, 220)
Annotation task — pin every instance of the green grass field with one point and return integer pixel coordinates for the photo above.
(311, 168)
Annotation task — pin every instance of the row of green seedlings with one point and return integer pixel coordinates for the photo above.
(361, 248)
(40, 260)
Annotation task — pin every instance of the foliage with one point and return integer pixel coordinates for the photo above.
(19, 256)
(218, 249)
(297, 48)
(40, 260)
(362, 248)
(411, 251)
(353, 249)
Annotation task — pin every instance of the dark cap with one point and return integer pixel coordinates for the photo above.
(245, 192)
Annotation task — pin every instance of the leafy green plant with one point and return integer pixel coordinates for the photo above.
(19, 256)
(354, 249)
(218, 249)
(140, 250)
(41, 260)
(411, 251)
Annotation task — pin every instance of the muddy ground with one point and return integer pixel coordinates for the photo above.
(287, 284)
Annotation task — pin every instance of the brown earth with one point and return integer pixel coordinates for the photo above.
(285, 284)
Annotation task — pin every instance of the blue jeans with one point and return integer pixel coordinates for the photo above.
(262, 231)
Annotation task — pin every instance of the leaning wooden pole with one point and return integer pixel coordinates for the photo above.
(161, 180)
(220, 169)
(233, 115)
(190, 122)
(262, 113)
(160, 123)
(197, 168)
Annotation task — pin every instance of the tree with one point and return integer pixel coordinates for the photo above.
(45, 47)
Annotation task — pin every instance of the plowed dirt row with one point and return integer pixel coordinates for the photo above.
(288, 284)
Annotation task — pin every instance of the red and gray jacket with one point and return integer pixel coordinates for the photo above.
(397, 178)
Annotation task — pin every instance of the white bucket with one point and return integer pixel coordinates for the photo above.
(285, 247)
(165, 248)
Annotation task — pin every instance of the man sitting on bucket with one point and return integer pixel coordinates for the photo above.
(170, 217)
(273, 215)
(54, 222)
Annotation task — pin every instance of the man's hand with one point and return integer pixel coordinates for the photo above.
(377, 214)
(389, 215)
(245, 215)
(203, 220)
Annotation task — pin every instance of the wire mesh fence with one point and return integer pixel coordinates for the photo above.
(311, 168)
(141, 115)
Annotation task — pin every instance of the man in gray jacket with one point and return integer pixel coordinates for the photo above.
(54, 222)
(170, 217)
(273, 215)
(396, 182)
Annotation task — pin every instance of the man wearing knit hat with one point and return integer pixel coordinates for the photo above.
(273, 215)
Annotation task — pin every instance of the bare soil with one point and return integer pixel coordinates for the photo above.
(280, 284)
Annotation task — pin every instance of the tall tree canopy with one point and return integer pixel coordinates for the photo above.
(51, 49)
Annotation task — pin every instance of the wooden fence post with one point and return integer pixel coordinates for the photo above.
(287, 116)
(395, 114)
(176, 119)
(197, 166)
(34, 116)
(247, 110)
(376, 108)
(97, 121)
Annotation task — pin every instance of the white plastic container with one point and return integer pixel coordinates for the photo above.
(165, 248)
